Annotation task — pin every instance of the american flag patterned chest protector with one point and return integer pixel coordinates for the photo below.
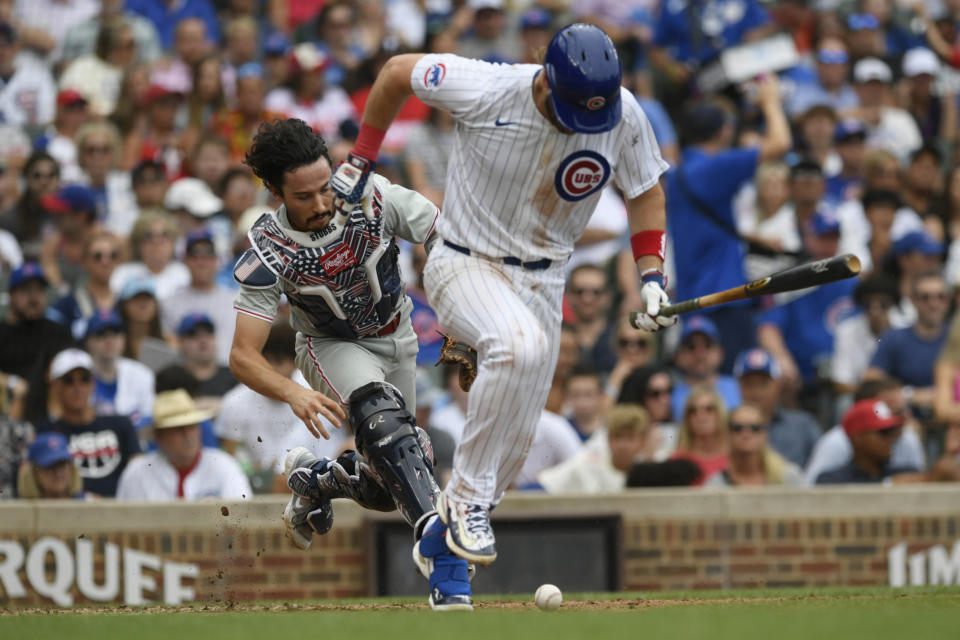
(348, 286)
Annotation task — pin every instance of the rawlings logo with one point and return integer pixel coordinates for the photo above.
(595, 103)
(434, 76)
(337, 260)
(581, 174)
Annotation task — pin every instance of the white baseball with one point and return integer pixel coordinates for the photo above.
(548, 597)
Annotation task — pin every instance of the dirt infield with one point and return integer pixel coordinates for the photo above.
(612, 604)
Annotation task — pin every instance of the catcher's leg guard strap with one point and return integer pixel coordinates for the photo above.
(386, 436)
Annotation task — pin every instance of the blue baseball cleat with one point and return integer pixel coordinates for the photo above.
(449, 575)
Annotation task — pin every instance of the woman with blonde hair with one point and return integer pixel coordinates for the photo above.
(101, 255)
(752, 461)
(152, 243)
(704, 438)
(603, 463)
(99, 150)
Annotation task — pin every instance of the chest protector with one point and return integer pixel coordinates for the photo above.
(346, 279)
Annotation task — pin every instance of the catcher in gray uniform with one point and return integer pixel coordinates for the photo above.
(355, 344)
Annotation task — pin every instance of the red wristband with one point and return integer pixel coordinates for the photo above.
(368, 142)
(649, 243)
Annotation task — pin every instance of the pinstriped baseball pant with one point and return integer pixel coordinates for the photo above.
(512, 316)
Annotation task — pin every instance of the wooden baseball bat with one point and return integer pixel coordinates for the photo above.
(802, 276)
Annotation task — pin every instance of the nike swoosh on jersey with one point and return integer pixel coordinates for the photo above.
(503, 124)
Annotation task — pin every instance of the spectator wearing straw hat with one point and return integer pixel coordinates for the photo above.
(182, 467)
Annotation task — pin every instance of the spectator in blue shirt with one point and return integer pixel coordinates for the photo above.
(849, 141)
(791, 433)
(799, 333)
(910, 354)
(830, 85)
(691, 34)
(700, 218)
(166, 14)
(697, 363)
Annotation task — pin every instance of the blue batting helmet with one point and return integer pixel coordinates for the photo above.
(583, 71)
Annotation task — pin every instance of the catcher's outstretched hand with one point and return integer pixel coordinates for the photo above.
(653, 298)
(309, 405)
(458, 353)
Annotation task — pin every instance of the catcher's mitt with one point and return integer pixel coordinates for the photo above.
(453, 352)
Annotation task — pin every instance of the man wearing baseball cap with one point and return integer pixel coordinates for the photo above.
(890, 128)
(203, 294)
(872, 429)
(182, 468)
(698, 359)
(101, 446)
(28, 340)
(122, 386)
(849, 136)
(792, 433)
(197, 334)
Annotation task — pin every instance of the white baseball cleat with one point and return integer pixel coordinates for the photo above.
(469, 534)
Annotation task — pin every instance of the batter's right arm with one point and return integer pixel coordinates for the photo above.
(387, 96)
(252, 369)
(390, 91)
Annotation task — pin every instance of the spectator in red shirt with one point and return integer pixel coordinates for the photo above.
(703, 434)
(238, 125)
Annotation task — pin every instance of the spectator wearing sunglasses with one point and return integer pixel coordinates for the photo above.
(651, 387)
(588, 295)
(101, 255)
(752, 461)
(791, 433)
(698, 359)
(830, 85)
(704, 436)
(872, 429)
(634, 348)
(910, 354)
(101, 446)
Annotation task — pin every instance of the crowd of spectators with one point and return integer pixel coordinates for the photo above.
(124, 202)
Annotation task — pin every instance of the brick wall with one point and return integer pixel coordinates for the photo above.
(672, 539)
(779, 552)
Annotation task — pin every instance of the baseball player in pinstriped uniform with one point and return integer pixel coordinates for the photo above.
(534, 147)
(355, 344)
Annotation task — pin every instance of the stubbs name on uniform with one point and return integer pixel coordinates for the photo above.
(327, 230)
(581, 174)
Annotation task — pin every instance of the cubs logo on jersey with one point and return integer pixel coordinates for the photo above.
(581, 174)
(434, 76)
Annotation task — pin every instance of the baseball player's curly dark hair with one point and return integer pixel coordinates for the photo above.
(281, 146)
